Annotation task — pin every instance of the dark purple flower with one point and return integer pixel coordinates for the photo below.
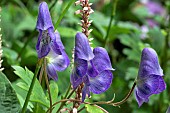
(149, 80)
(46, 38)
(49, 44)
(93, 68)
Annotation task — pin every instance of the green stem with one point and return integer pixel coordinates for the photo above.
(31, 86)
(111, 19)
(63, 13)
(30, 37)
(55, 1)
(48, 87)
(65, 97)
(127, 96)
(81, 109)
(69, 87)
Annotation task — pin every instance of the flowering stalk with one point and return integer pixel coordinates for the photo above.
(0, 47)
(111, 19)
(63, 13)
(85, 24)
(85, 13)
(38, 66)
(48, 86)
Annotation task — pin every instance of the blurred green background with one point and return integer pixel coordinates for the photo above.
(134, 27)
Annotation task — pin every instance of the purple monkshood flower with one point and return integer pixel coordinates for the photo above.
(46, 38)
(93, 68)
(149, 80)
(49, 44)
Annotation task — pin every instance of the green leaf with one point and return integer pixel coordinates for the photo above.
(21, 93)
(133, 41)
(66, 32)
(8, 99)
(93, 109)
(11, 55)
(54, 90)
(37, 93)
(131, 73)
(157, 39)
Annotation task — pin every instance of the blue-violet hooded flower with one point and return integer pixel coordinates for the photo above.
(93, 68)
(49, 44)
(149, 80)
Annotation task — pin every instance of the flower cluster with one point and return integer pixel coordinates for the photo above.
(93, 68)
(49, 44)
(149, 80)
(85, 13)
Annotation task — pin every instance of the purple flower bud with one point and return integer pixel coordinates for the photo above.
(44, 19)
(149, 80)
(93, 68)
(46, 38)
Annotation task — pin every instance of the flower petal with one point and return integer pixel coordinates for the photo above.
(60, 62)
(80, 67)
(101, 82)
(101, 59)
(162, 86)
(82, 47)
(139, 99)
(92, 71)
(148, 85)
(75, 79)
(53, 44)
(51, 71)
(149, 63)
(42, 46)
(44, 19)
(58, 40)
(85, 91)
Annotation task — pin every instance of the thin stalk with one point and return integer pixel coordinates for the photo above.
(106, 103)
(41, 74)
(126, 98)
(111, 19)
(75, 100)
(48, 87)
(55, 1)
(63, 13)
(32, 85)
(63, 103)
(30, 37)
(69, 87)
(81, 109)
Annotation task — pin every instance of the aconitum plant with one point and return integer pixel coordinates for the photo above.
(90, 70)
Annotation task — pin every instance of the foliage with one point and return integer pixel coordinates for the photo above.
(124, 45)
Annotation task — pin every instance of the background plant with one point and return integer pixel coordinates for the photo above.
(124, 43)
